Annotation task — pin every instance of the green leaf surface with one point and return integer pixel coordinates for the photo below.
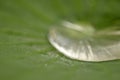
(25, 53)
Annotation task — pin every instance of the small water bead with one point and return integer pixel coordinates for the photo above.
(83, 42)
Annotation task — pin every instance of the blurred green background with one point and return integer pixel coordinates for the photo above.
(25, 53)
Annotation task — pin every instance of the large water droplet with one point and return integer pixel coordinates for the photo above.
(83, 42)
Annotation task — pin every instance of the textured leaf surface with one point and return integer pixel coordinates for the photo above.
(25, 53)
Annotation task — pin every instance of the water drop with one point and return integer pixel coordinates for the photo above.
(84, 42)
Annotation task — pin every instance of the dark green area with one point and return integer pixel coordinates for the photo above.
(25, 53)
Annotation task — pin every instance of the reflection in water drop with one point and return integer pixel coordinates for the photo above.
(83, 42)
